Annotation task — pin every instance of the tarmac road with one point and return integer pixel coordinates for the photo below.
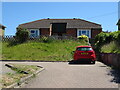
(64, 75)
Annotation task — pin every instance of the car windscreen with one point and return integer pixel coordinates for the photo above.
(84, 48)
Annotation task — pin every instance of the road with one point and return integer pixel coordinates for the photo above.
(64, 75)
(4, 69)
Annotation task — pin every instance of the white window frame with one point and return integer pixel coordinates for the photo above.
(83, 30)
(35, 30)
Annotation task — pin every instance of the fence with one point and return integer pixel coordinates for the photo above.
(11, 37)
(112, 59)
(8, 38)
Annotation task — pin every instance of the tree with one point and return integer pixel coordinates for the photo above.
(22, 35)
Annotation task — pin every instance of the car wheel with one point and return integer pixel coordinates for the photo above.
(93, 62)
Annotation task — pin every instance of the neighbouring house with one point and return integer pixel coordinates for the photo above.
(62, 27)
(118, 24)
(2, 30)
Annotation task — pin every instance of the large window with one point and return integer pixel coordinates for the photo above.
(84, 32)
(34, 33)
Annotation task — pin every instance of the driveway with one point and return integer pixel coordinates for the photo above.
(64, 75)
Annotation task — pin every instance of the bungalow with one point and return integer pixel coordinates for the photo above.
(2, 30)
(62, 27)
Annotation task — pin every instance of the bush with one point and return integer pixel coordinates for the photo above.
(22, 35)
(105, 38)
(102, 37)
(118, 38)
(46, 39)
(83, 37)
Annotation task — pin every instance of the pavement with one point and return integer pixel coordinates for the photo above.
(5, 69)
(64, 75)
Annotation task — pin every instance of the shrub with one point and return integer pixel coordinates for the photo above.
(22, 35)
(83, 37)
(118, 37)
(102, 37)
(105, 38)
(46, 39)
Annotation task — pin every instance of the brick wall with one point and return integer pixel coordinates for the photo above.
(111, 59)
(1, 32)
(45, 31)
(94, 32)
(71, 32)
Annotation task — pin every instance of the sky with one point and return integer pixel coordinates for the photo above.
(119, 9)
(15, 13)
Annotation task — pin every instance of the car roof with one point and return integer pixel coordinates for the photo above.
(83, 46)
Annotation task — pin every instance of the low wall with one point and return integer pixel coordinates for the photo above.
(112, 59)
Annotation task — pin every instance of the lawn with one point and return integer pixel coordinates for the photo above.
(58, 50)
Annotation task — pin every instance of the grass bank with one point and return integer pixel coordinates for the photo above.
(112, 47)
(58, 50)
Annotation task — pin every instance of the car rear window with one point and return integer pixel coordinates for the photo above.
(84, 49)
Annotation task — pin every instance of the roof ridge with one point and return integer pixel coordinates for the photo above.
(61, 19)
(90, 22)
(2, 26)
(31, 22)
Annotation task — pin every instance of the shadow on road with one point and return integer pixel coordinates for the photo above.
(116, 75)
(79, 62)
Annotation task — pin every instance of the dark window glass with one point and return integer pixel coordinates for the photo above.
(84, 49)
(32, 31)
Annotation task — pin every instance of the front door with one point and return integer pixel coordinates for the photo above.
(58, 29)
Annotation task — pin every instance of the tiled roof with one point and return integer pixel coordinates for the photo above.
(118, 23)
(71, 23)
(2, 26)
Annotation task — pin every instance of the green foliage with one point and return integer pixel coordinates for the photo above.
(105, 38)
(101, 38)
(22, 35)
(118, 38)
(47, 39)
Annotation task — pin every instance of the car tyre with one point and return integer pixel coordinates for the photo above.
(93, 62)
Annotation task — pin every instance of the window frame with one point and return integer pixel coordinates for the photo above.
(80, 30)
(38, 34)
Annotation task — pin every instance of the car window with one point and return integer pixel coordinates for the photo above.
(84, 49)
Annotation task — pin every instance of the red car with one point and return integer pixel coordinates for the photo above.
(84, 53)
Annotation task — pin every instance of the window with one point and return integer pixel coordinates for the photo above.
(84, 49)
(34, 33)
(84, 32)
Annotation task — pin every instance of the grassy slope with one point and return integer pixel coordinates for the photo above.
(112, 47)
(54, 51)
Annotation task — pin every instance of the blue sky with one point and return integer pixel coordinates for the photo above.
(119, 9)
(15, 13)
